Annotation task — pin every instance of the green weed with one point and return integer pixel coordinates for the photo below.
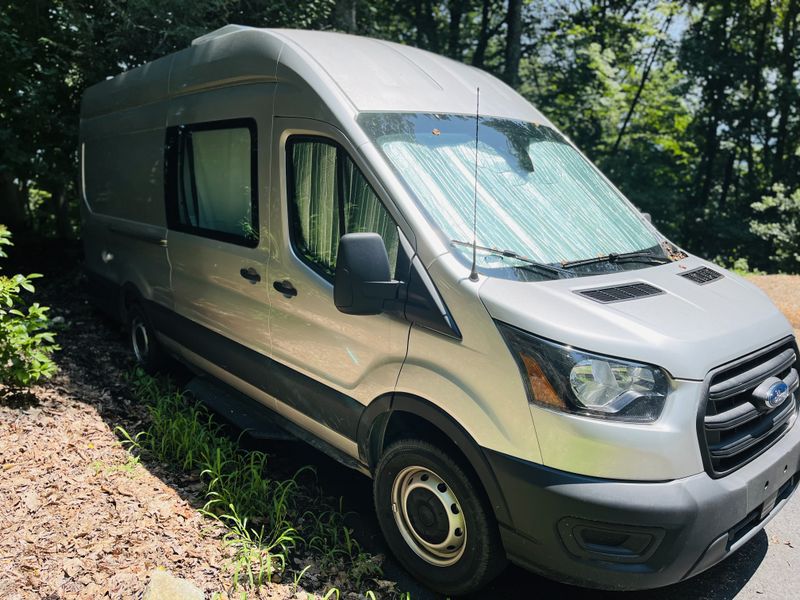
(129, 467)
(262, 517)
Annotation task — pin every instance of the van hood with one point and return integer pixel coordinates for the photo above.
(687, 330)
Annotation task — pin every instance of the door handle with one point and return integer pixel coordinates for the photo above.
(250, 274)
(285, 287)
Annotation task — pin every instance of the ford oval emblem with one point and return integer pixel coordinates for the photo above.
(777, 393)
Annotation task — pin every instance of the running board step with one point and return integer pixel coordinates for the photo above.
(238, 410)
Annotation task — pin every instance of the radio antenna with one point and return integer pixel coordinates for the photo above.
(473, 276)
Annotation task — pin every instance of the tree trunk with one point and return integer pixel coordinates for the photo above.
(419, 25)
(12, 209)
(645, 74)
(29, 222)
(756, 83)
(61, 210)
(727, 178)
(344, 16)
(788, 93)
(483, 36)
(454, 39)
(713, 99)
(513, 42)
(426, 26)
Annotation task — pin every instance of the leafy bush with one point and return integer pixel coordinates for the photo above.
(26, 345)
(740, 266)
(780, 225)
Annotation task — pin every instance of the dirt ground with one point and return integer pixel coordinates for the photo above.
(78, 517)
(785, 293)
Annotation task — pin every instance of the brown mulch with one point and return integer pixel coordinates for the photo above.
(79, 518)
(784, 290)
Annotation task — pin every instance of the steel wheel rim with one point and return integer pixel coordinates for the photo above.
(139, 339)
(420, 497)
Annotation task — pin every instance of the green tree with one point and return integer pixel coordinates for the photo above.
(731, 53)
(691, 108)
(778, 222)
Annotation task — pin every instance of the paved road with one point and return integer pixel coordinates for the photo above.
(767, 568)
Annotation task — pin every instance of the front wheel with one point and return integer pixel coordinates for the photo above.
(436, 518)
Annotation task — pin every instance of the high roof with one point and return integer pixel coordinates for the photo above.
(369, 74)
(384, 76)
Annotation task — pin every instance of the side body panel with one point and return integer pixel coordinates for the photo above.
(207, 284)
(124, 226)
(358, 357)
(474, 379)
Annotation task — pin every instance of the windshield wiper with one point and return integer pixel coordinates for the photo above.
(529, 262)
(645, 257)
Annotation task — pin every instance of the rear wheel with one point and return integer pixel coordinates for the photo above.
(146, 349)
(436, 518)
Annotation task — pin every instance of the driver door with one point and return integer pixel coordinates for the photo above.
(337, 363)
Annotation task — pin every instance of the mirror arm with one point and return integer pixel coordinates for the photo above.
(384, 290)
(396, 304)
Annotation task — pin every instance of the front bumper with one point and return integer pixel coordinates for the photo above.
(619, 535)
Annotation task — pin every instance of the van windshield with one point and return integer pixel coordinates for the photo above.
(538, 197)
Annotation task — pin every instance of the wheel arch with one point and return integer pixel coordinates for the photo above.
(128, 296)
(383, 416)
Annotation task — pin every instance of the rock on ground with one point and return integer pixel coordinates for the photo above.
(165, 586)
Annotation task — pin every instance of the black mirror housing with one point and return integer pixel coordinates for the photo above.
(363, 281)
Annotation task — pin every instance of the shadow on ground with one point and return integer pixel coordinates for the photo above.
(722, 582)
(91, 339)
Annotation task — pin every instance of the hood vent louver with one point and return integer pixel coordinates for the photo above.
(620, 293)
(702, 275)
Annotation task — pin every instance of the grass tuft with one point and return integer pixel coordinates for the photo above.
(264, 521)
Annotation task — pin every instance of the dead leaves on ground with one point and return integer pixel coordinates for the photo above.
(77, 519)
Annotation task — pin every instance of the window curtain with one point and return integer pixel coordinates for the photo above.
(324, 191)
(317, 212)
(222, 175)
(364, 212)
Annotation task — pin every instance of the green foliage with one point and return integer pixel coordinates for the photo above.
(778, 222)
(265, 524)
(740, 266)
(611, 80)
(26, 344)
(689, 107)
(332, 541)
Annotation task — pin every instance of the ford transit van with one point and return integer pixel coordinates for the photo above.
(455, 302)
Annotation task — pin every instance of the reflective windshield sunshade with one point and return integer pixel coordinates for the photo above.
(537, 195)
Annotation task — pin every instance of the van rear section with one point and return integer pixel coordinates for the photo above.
(458, 305)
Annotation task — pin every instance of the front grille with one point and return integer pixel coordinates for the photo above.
(736, 426)
(618, 293)
(702, 275)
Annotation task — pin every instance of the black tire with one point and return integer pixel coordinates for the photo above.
(463, 566)
(145, 347)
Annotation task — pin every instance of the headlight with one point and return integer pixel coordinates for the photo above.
(562, 378)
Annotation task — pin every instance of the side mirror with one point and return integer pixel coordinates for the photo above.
(363, 281)
(647, 217)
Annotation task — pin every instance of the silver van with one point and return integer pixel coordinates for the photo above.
(456, 303)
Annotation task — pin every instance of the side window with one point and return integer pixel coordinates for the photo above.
(211, 179)
(329, 197)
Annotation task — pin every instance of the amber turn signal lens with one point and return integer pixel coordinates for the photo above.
(541, 388)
